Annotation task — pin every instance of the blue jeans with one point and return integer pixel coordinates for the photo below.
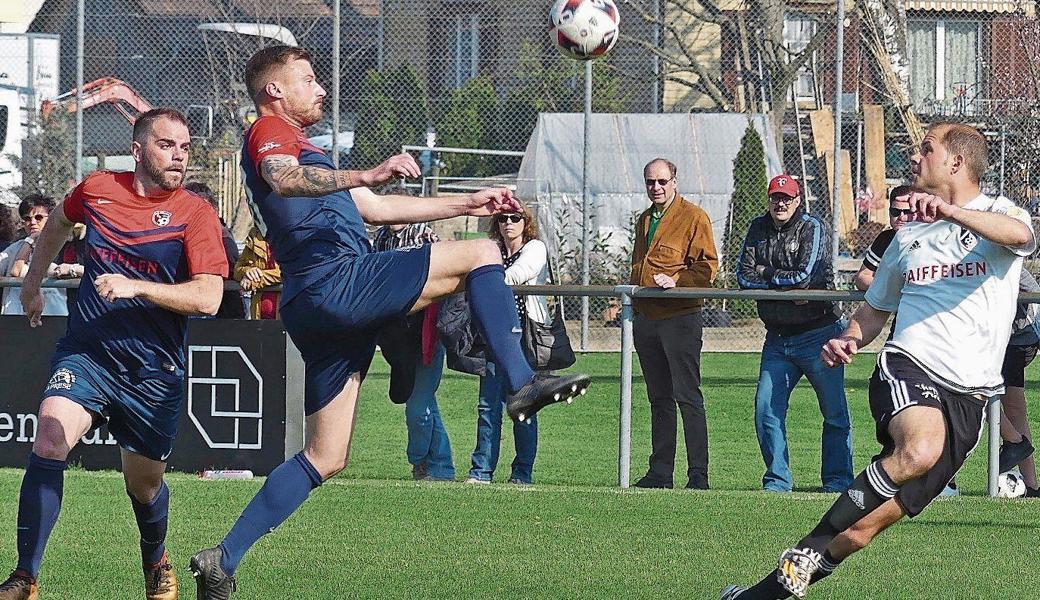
(493, 390)
(427, 439)
(784, 360)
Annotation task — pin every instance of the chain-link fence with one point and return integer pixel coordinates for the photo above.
(484, 77)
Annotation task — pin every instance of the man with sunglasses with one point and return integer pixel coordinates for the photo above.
(898, 215)
(787, 248)
(674, 246)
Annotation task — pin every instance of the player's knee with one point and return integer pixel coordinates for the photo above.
(50, 442)
(143, 491)
(917, 457)
(486, 252)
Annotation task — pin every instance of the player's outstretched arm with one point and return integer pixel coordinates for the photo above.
(865, 325)
(50, 241)
(289, 179)
(390, 210)
(200, 295)
(996, 227)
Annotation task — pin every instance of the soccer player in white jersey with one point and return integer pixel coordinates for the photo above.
(953, 275)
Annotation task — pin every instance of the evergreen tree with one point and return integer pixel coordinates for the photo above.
(469, 123)
(394, 112)
(749, 192)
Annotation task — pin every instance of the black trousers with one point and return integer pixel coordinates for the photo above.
(670, 356)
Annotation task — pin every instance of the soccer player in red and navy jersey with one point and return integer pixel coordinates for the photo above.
(337, 292)
(154, 257)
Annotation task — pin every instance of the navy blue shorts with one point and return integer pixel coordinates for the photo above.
(142, 412)
(334, 321)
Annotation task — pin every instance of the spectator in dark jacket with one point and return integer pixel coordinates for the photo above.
(789, 249)
(231, 306)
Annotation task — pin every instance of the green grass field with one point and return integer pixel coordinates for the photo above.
(373, 533)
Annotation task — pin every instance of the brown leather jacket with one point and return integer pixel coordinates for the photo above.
(683, 248)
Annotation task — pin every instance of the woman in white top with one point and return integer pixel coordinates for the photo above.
(526, 262)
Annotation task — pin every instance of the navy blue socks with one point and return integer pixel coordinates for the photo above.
(39, 503)
(152, 521)
(284, 491)
(494, 311)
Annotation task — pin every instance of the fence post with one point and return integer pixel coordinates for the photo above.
(993, 419)
(625, 427)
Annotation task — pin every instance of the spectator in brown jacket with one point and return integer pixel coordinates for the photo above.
(674, 246)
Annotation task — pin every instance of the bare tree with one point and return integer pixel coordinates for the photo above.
(764, 65)
(884, 33)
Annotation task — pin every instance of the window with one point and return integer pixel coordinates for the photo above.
(798, 33)
(467, 48)
(945, 58)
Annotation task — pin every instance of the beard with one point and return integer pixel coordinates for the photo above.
(166, 179)
(308, 114)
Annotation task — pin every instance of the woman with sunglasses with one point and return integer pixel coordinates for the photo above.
(526, 261)
(34, 211)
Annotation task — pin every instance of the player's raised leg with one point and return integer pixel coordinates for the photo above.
(62, 423)
(326, 453)
(476, 267)
(150, 499)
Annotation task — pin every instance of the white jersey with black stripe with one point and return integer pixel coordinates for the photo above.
(956, 295)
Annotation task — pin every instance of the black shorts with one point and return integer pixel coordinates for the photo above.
(1016, 359)
(897, 384)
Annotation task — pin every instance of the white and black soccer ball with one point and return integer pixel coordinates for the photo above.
(1010, 485)
(584, 29)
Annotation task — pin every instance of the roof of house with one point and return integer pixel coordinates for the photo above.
(366, 8)
(986, 6)
(235, 8)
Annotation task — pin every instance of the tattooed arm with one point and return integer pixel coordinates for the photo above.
(289, 179)
(388, 210)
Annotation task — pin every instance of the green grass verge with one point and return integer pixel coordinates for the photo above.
(373, 533)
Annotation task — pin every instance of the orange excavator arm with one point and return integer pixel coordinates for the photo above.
(107, 90)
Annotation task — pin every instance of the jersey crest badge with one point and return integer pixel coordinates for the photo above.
(161, 218)
(61, 380)
(967, 239)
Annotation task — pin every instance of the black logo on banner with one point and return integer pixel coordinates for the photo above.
(225, 397)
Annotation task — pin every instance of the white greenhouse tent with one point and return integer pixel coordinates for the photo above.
(702, 145)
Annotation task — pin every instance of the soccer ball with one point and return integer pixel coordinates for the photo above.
(1010, 485)
(584, 29)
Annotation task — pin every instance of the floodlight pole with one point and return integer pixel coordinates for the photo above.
(839, 68)
(80, 18)
(335, 80)
(586, 205)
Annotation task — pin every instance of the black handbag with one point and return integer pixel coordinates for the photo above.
(546, 345)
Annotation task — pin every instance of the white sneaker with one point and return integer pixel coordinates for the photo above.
(796, 568)
(732, 592)
(476, 481)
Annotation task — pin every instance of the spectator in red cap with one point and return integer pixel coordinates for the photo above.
(785, 249)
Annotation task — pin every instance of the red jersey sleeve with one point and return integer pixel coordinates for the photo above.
(73, 204)
(204, 244)
(271, 135)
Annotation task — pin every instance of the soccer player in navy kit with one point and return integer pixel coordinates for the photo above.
(337, 292)
(154, 255)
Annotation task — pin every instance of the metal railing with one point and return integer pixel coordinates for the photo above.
(626, 293)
